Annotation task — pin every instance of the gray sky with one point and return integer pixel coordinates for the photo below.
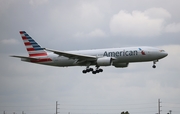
(84, 24)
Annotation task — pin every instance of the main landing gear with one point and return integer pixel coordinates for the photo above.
(92, 70)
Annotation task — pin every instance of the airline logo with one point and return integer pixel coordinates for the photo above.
(120, 53)
(123, 53)
(142, 52)
(33, 48)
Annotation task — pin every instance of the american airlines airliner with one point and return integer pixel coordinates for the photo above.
(117, 57)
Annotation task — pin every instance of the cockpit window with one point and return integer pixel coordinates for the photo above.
(161, 50)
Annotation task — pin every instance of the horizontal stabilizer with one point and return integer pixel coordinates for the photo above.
(23, 57)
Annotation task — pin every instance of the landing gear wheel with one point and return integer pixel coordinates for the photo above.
(87, 70)
(154, 63)
(100, 70)
(90, 69)
(94, 72)
(97, 71)
(84, 71)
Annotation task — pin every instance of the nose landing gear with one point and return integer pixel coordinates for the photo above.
(154, 64)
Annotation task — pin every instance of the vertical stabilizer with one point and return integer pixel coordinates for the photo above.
(33, 48)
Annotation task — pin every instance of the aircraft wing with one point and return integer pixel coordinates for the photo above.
(23, 57)
(73, 55)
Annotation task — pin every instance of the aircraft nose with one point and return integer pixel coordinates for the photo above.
(165, 54)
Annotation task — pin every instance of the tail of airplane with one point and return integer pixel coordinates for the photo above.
(33, 48)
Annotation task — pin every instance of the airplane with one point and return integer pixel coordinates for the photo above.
(117, 57)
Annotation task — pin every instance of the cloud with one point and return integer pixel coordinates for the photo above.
(173, 57)
(93, 34)
(159, 13)
(172, 28)
(8, 41)
(37, 2)
(5, 5)
(139, 24)
(97, 33)
(84, 17)
(90, 10)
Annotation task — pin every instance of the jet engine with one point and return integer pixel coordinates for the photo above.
(104, 61)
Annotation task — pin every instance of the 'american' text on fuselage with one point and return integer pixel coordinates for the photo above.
(120, 53)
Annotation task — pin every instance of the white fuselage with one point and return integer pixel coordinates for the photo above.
(120, 55)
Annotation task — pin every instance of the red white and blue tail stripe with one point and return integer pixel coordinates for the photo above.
(33, 48)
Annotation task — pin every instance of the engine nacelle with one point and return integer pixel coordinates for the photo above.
(105, 61)
(120, 65)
